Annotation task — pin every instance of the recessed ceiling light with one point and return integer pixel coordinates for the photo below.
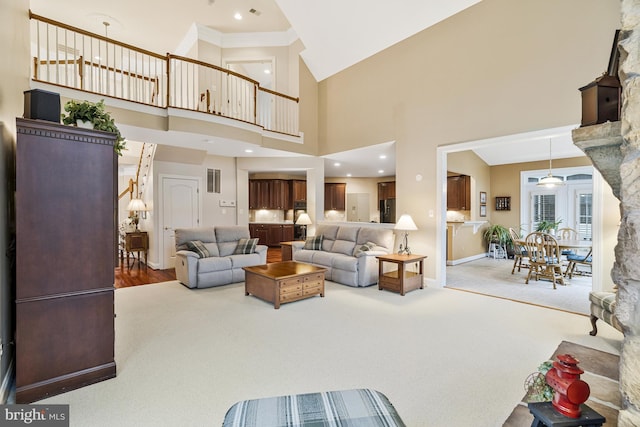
(336, 164)
(267, 71)
(380, 171)
(238, 16)
(383, 156)
(348, 175)
(248, 150)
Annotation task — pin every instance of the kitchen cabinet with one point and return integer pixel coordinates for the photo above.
(459, 193)
(299, 190)
(271, 234)
(334, 196)
(270, 194)
(386, 190)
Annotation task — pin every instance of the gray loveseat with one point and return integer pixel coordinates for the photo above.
(342, 254)
(219, 264)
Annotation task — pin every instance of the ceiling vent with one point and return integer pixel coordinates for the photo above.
(255, 12)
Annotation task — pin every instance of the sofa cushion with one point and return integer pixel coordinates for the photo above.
(199, 248)
(184, 235)
(344, 262)
(228, 237)
(344, 247)
(329, 233)
(313, 243)
(213, 264)
(246, 246)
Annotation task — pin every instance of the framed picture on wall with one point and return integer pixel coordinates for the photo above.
(483, 210)
(483, 197)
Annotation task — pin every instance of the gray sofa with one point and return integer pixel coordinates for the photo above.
(342, 255)
(222, 266)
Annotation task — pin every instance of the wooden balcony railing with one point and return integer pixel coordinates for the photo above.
(71, 57)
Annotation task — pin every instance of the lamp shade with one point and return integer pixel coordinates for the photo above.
(405, 223)
(304, 219)
(136, 205)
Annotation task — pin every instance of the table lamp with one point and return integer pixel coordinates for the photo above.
(304, 220)
(406, 224)
(136, 205)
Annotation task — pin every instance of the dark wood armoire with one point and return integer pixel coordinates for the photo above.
(65, 257)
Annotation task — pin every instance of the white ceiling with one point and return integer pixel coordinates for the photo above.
(336, 34)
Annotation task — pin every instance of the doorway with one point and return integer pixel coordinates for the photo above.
(441, 238)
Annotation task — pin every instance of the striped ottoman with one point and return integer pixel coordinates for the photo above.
(603, 306)
(347, 408)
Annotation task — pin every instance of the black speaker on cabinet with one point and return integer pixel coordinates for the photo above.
(42, 104)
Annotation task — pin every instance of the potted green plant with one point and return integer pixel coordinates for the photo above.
(93, 115)
(546, 226)
(496, 233)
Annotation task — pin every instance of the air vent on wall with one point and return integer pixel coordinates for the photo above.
(213, 180)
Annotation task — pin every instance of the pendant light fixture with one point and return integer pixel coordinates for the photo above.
(550, 181)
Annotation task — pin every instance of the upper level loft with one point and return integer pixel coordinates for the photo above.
(72, 58)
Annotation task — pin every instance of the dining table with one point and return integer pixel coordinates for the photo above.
(565, 244)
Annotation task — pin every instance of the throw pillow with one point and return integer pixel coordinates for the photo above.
(246, 246)
(198, 247)
(363, 248)
(314, 243)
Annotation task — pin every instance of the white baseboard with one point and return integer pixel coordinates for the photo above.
(467, 259)
(7, 382)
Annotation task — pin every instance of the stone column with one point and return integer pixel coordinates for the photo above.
(614, 149)
(626, 271)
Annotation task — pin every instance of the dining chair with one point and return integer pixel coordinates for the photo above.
(575, 260)
(519, 251)
(567, 233)
(544, 257)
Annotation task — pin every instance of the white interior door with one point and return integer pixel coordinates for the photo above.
(180, 209)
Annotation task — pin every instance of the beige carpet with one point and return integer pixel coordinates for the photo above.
(493, 277)
(600, 372)
(443, 357)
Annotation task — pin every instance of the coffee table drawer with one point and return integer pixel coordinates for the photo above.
(290, 289)
(311, 290)
(290, 296)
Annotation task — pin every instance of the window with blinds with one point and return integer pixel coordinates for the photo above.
(585, 215)
(543, 208)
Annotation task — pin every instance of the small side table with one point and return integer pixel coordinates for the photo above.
(286, 251)
(545, 415)
(401, 280)
(136, 241)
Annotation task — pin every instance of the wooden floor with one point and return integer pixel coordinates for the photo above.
(139, 274)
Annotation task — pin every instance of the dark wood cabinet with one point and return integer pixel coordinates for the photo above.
(299, 190)
(386, 190)
(270, 194)
(459, 192)
(334, 196)
(271, 234)
(65, 258)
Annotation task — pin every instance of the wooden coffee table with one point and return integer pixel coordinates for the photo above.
(282, 282)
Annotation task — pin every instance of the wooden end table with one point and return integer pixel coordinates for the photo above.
(286, 250)
(401, 280)
(282, 282)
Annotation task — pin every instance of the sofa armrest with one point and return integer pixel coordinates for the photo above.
(187, 268)
(262, 251)
(372, 253)
(296, 246)
(186, 253)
